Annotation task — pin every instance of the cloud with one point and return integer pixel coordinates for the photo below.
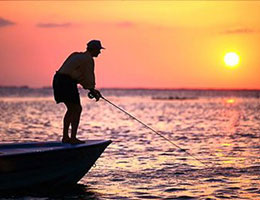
(125, 24)
(239, 31)
(53, 25)
(138, 25)
(5, 22)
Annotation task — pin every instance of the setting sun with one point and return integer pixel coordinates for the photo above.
(231, 59)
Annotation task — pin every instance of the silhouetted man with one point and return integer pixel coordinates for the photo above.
(77, 68)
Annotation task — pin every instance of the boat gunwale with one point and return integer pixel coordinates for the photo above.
(47, 150)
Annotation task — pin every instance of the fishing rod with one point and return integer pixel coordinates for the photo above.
(156, 132)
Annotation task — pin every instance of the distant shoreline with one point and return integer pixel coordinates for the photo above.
(140, 88)
(165, 93)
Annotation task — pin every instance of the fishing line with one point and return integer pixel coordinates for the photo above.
(156, 132)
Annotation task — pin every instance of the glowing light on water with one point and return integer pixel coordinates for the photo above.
(230, 101)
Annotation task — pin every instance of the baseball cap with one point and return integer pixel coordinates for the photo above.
(95, 44)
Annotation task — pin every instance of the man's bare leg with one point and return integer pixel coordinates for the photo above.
(72, 117)
(75, 123)
(66, 123)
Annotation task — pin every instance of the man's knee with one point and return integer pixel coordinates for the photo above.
(79, 109)
(74, 108)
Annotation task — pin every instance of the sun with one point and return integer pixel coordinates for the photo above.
(231, 59)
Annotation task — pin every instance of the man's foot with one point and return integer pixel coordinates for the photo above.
(76, 141)
(65, 140)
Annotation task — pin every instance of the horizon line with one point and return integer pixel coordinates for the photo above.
(140, 88)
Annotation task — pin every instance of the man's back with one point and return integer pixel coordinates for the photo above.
(80, 67)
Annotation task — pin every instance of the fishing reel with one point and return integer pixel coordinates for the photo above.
(92, 96)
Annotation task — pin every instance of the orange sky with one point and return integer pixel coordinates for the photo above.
(149, 44)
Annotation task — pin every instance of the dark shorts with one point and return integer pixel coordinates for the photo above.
(65, 89)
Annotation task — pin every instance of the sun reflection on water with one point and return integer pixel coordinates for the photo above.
(230, 101)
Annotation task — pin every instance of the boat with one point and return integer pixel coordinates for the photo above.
(174, 98)
(38, 164)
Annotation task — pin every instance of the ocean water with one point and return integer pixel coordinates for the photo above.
(221, 128)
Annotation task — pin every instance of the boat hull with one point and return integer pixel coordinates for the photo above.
(41, 164)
